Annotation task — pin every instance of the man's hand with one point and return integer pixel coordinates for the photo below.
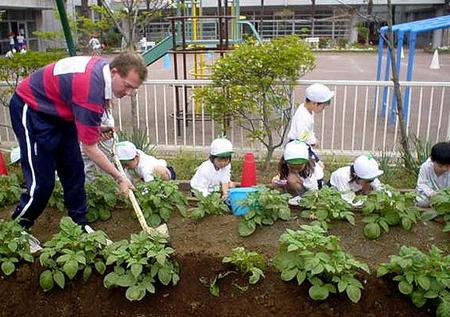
(106, 133)
(124, 185)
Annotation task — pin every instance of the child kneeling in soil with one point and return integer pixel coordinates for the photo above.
(214, 175)
(144, 165)
(298, 172)
(434, 174)
(360, 177)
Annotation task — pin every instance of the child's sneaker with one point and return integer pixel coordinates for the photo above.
(294, 201)
(35, 244)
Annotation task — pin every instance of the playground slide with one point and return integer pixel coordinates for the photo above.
(159, 50)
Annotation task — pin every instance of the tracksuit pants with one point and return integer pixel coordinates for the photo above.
(47, 144)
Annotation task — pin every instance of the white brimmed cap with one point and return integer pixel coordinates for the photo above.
(126, 150)
(366, 167)
(319, 93)
(296, 152)
(221, 147)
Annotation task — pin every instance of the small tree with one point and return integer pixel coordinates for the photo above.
(253, 85)
(14, 69)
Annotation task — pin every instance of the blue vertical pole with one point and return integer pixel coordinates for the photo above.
(398, 64)
(409, 72)
(379, 64)
(386, 78)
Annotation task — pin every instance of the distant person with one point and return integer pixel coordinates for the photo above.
(20, 42)
(214, 174)
(146, 167)
(12, 45)
(434, 174)
(95, 45)
(143, 43)
(317, 98)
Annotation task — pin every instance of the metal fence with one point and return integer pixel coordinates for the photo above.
(353, 124)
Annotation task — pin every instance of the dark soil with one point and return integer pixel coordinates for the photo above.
(200, 247)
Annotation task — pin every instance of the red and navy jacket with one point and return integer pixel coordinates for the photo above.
(74, 89)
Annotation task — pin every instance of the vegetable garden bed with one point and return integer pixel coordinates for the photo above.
(200, 246)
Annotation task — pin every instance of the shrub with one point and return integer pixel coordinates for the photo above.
(10, 190)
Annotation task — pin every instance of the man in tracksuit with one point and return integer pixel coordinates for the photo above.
(53, 110)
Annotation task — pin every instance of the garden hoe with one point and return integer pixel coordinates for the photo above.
(162, 229)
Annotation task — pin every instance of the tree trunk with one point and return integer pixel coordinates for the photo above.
(134, 112)
(398, 94)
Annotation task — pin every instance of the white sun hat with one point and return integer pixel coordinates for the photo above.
(366, 167)
(319, 93)
(15, 155)
(296, 152)
(221, 147)
(126, 150)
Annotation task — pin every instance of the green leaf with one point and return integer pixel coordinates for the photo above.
(46, 280)
(104, 214)
(100, 267)
(301, 276)
(8, 268)
(164, 275)
(135, 293)
(443, 310)
(246, 228)
(418, 299)
(214, 290)
(70, 268)
(424, 282)
(58, 277)
(12, 246)
(318, 292)
(405, 288)
(87, 273)
(353, 293)
(288, 275)
(428, 215)
(136, 270)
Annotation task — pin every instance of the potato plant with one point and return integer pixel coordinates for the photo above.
(212, 204)
(14, 246)
(424, 277)
(388, 207)
(326, 205)
(56, 200)
(266, 206)
(102, 198)
(309, 254)
(69, 252)
(249, 262)
(139, 264)
(10, 190)
(158, 198)
(441, 205)
(243, 261)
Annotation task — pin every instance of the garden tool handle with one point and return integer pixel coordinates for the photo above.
(131, 196)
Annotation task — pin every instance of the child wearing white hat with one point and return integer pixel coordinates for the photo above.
(298, 173)
(361, 176)
(214, 175)
(317, 97)
(146, 166)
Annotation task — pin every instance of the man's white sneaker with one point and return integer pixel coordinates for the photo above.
(35, 244)
(89, 229)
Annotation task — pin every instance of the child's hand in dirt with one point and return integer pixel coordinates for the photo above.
(312, 216)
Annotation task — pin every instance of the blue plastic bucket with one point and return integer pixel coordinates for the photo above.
(236, 196)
